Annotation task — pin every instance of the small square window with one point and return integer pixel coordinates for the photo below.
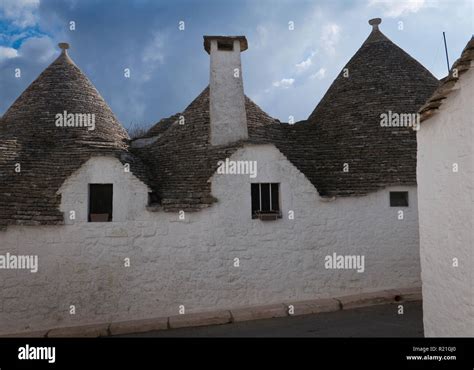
(266, 201)
(399, 199)
(100, 202)
(225, 46)
(153, 198)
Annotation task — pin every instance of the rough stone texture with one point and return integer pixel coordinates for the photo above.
(47, 154)
(200, 319)
(447, 213)
(160, 127)
(228, 119)
(91, 331)
(313, 306)
(129, 194)
(343, 129)
(191, 262)
(138, 326)
(367, 299)
(212, 317)
(345, 126)
(448, 83)
(260, 312)
(186, 186)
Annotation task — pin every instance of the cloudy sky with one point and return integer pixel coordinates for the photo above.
(286, 71)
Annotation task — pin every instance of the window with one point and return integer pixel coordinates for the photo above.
(225, 46)
(100, 202)
(399, 199)
(153, 198)
(266, 201)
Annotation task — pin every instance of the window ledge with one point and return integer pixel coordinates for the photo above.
(100, 217)
(267, 216)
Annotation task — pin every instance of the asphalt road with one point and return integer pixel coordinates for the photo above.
(375, 321)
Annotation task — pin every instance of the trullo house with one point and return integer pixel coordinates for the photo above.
(219, 206)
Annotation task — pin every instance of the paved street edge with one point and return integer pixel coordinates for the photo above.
(284, 309)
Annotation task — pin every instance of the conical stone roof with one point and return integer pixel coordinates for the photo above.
(346, 124)
(379, 76)
(344, 128)
(182, 159)
(37, 156)
(61, 87)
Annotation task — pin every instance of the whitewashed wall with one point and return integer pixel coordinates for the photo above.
(191, 262)
(446, 207)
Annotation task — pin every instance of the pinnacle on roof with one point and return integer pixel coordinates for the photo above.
(376, 34)
(61, 87)
(48, 153)
(379, 78)
(380, 75)
(64, 46)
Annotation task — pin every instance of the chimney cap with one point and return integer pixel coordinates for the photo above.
(374, 22)
(243, 41)
(63, 46)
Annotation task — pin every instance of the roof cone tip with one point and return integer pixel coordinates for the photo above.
(374, 22)
(63, 46)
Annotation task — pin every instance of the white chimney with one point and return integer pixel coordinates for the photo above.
(226, 96)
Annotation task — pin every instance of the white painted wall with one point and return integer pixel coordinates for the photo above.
(129, 193)
(226, 99)
(446, 214)
(191, 262)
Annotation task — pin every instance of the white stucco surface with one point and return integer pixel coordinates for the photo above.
(446, 214)
(191, 262)
(226, 99)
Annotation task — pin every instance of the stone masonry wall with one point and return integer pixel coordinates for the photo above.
(447, 214)
(190, 262)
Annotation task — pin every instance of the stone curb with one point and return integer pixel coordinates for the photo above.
(200, 319)
(27, 334)
(138, 326)
(313, 306)
(380, 297)
(86, 331)
(368, 299)
(228, 316)
(259, 312)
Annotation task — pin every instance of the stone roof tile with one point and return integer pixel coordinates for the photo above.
(463, 64)
(47, 154)
(344, 128)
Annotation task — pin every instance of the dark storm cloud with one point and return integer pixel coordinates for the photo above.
(286, 72)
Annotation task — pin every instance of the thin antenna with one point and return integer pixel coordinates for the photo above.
(446, 50)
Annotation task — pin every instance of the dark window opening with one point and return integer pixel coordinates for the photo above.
(225, 46)
(275, 197)
(266, 201)
(153, 198)
(265, 198)
(100, 202)
(399, 199)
